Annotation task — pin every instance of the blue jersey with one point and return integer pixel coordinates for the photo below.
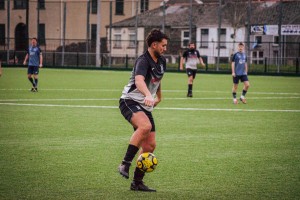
(239, 60)
(34, 56)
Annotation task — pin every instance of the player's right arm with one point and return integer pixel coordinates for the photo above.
(232, 69)
(25, 59)
(142, 87)
(181, 63)
(233, 66)
(182, 60)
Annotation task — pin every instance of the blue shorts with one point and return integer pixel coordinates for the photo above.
(191, 72)
(128, 107)
(243, 78)
(33, 70)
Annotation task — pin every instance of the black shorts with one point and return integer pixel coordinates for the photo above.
(33, 69)
(128, 107)
(243, 78)
(191, 72)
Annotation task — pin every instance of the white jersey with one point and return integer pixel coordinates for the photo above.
(191, 58)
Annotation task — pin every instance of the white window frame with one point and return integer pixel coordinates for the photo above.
(223, 38)
(117, 39)
(204, 43)
(183, 38)
(131, 38)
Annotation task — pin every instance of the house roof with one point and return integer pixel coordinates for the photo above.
(269, 13)
(177, 14)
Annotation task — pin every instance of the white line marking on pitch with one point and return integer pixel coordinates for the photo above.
(116, 99)
(171, 91)
(161, 108)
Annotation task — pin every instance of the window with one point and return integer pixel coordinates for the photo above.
(131, 38)
(94, 6)
(257, 42)
(258, 57)
(119, 7)
(94, 32)
(41, 34)
(204, 38)
(2, 34)
(185, 38)
(275, 40)
(20, 4)
(144, 5)
(41, 4)
(2, 7)
(117, 39)
(223, 38)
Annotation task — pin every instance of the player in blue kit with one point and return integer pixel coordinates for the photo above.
(35, 61)
(239, 69)
(139, 97)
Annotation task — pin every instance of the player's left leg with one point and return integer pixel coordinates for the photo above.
(245, 89)
(137, 184)
(234, 88)
(36, 77)
(191, 76)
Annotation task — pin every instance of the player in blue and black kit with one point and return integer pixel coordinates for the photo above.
(35, 57)
(239, 69)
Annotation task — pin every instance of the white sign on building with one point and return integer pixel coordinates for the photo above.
(290, 30)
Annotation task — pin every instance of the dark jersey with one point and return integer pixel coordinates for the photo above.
(34, 56)
(153, 73)
(191, 58)
(239, 60)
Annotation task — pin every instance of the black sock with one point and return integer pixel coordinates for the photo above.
(244, 92)
(131, 151)
(234, 95)
(31, 80)
(190, 88)
(36, 82)
(138, 175)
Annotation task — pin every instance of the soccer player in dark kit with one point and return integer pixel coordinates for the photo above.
(239, 69)
(139, 97)
(191, 57)
(35, 57)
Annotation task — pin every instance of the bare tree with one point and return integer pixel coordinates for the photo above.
(235, 11)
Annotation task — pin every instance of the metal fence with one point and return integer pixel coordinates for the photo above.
(69, 33)
(55, 59)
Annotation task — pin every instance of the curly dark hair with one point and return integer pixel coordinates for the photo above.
(155, 35)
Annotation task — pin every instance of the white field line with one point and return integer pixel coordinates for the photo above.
(170, 91)
(160, 108)
(116, 99)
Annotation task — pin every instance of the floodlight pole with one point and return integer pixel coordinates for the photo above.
(64, 33)
(98, 42)
(190, 25)
(8, 30)
(164, 16)
(38, 20)
(110, 32)
(248, 30)
(136, 29)
(280, 36)
(88, 9)
(219, 34)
